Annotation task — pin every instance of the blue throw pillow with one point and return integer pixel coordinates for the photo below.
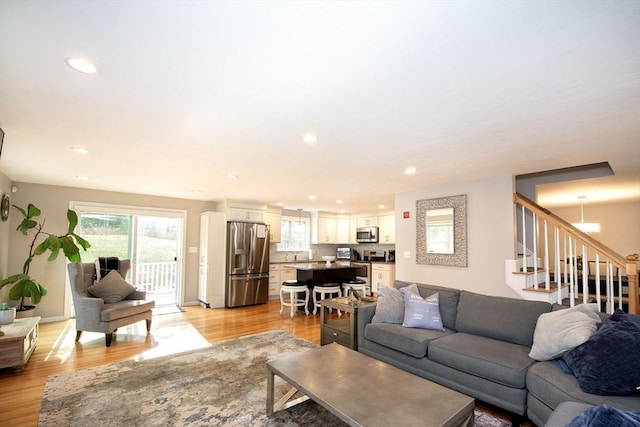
(607, 364)
(423, 313)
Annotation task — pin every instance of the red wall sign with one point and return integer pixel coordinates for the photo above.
(405, 214)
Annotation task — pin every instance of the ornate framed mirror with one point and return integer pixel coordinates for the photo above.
(441, 231)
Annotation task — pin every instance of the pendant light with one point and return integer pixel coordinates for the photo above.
(586, 227)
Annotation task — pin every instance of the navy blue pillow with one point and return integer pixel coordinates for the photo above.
(607, 364)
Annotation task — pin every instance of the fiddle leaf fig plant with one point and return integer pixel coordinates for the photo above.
(24, 286)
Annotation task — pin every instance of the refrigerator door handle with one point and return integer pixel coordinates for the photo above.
(249, 277)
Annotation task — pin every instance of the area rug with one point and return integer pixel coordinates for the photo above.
(224, 384)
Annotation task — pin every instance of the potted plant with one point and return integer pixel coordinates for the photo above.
(25, 286)
(7, 313)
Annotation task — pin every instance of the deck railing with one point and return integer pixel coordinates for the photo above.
(156, 276)
(569, 257)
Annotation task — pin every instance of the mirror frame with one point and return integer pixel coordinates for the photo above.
(459, 256)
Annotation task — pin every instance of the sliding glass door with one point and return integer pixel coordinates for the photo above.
(151, 239)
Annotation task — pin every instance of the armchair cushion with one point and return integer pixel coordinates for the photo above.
(112, 288)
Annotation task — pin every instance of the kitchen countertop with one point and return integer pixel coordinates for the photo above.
(313, 261)
(321, 266)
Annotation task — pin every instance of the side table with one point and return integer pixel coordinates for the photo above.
(344, 330)
(18, 342)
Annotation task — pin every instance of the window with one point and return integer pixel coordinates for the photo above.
(294, 234)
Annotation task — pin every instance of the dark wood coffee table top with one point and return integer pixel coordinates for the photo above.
(363, 391)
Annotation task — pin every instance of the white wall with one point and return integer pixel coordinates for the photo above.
(619, 223)
(490, 241)
(5, 230)
(53, 202)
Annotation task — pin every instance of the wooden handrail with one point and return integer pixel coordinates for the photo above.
(628, 264)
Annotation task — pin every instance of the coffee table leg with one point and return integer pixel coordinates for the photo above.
(270, 391)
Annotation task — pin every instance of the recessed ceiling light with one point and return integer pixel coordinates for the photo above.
(312, 197)
(410, 170)
(339, 202)
(310, 139)
(81, 65)
(196, 191)
(79, 150)
(82, 177)
(232, 176)
(380, 206)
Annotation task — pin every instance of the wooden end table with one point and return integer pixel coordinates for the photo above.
(343, 330)
(18, 342)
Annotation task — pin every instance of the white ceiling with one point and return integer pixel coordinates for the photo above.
(190, 91)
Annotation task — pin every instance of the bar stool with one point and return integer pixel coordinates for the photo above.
(358, 285)
(324, 290)
(293, 288)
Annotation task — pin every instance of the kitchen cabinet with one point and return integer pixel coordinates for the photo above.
(244, 214)
(323, 229)
(353, 227)
(368, 221)
(384, 274)
(343, 230)
(275, 281)
(273, 219)
(212, 265)
(387, 229)
(288, 273)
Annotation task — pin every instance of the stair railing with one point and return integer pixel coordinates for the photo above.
(566, 252)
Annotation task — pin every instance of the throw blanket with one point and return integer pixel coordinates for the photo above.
(606, 416)
(104, 265)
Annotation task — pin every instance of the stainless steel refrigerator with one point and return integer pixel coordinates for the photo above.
(247, 264)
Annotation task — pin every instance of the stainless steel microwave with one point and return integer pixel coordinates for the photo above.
(367, 234)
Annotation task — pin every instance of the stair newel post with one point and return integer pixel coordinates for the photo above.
(524, 240)
(585, 275)
(632, 281)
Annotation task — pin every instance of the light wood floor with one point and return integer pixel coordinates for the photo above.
(56, 352)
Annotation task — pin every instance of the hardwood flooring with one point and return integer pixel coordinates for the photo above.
(56, 351)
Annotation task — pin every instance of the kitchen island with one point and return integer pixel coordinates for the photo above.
(319, 274)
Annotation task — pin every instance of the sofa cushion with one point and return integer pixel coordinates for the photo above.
(607, 364)
(448, 299)
(111, 288)
(421, 312)
(498, 361)
(548, 384)
(506, 319)
(605, 416)
(390, 305)
(125, 308)
(412, 341)
(560, 331)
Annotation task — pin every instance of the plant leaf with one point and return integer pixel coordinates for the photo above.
(25, 267)
(11, 279)
(24, 214)
(26, 225)
(42, 247)
(82, 242)
(32, 211)
(18, 290)
(70, 249)
(73, 220)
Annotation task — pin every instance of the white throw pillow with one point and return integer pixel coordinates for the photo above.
(422, 313)
(560, 331)
(111, 288)
(390, 306)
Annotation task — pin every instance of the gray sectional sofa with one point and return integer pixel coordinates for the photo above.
(483, 352)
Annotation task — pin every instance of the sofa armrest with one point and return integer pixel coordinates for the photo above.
(137, 295)
(365, 314)
(88, 312)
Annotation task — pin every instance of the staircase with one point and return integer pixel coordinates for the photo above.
(558, 263)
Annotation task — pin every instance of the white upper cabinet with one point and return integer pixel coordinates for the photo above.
(343, 230)
(273, 219)
(387, 226)
(326, 230)
(243, 214)
(368, 221)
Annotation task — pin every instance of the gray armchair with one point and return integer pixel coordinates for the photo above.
(94, 315)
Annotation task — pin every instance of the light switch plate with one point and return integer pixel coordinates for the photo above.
(407, 254)
(193, 249)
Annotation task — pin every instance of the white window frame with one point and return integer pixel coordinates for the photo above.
(294, 219)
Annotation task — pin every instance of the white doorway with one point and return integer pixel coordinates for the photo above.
(153, 239)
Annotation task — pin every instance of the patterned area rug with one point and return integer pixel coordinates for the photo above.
(224, 384)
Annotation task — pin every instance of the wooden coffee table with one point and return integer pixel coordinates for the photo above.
(18, 342)
(363, 391)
